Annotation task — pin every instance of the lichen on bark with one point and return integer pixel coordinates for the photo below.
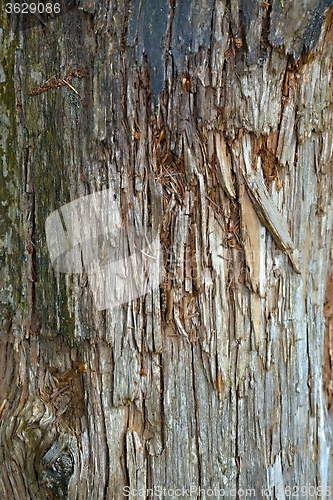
(224, 360)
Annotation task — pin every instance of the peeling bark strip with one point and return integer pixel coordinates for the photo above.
(202, 117)
(267, 211)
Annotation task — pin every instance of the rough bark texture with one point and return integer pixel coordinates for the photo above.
(216, 117)
(328, 343)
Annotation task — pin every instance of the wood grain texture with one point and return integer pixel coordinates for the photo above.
(215, 379)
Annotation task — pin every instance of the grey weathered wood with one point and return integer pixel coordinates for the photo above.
(206, 114)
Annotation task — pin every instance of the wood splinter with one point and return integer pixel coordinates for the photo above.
(270, 217)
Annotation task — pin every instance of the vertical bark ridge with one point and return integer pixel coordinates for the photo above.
(210, 380)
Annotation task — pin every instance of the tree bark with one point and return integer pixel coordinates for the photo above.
(211, 122)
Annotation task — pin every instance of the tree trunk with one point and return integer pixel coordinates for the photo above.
(210, 122)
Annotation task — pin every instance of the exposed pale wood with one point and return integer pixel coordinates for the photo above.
(199, 118)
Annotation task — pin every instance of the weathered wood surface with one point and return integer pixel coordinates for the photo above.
(215, 380)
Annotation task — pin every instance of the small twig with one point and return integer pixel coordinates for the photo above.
(71, 87)
(60, 391)
(59, 82)
(212, 201)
